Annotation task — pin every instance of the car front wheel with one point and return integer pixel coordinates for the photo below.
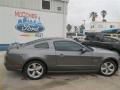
(108, 68)
(35, 70)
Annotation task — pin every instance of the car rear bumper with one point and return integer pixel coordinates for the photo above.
(12, 67)
(13, 64)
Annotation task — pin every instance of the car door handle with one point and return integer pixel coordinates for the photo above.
(61, 55)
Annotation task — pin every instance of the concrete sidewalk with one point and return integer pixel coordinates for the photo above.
(2, 53)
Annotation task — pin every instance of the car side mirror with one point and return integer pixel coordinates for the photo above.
(83, 50)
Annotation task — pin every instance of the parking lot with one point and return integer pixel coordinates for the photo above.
(15, 81)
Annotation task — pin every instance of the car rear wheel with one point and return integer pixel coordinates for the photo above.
(108, 68)
(35, 70)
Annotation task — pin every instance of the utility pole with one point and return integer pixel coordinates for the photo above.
(84, 21)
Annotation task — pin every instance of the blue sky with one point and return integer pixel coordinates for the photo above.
(78, 10)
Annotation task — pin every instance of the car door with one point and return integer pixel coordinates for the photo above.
(107, 43)
(70, 58)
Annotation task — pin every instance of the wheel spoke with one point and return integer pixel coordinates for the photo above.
(103, 68)
(111, 65)
(106, 64)
(34, 65)
(38, 73)
(106, 71)
(30, 69)
(33, 74)
(111, 69)
(39, 68)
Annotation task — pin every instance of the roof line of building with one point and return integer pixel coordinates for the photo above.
(107, 22)
(63, 0)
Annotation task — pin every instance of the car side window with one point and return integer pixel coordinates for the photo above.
(67, 46)
(107, 39)
(42, 45)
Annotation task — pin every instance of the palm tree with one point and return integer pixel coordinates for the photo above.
(93, 15)
(103, 14)
(69, 27)
(76, 29)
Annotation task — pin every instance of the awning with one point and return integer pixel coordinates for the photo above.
(111, 31)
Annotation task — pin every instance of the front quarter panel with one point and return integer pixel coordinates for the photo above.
(100, 57)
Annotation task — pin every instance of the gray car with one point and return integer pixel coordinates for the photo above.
(38, 57)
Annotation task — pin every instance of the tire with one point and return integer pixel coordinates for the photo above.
(108, 68)
(34, 70)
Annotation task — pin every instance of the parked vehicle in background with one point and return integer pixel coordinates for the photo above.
(117, 36)
(74, 35)
(112, 32)
(102, 41)
(38, 57)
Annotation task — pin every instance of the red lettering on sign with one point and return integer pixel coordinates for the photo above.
(25, 14)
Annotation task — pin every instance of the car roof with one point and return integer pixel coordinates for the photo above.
(47, 39)
(53, 38)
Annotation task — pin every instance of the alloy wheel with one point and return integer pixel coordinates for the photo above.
(108, 68)
(35, 70)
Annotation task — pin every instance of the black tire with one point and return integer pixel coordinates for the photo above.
(115, 67)
(25, 70)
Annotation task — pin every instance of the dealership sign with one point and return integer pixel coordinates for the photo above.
(28, 22)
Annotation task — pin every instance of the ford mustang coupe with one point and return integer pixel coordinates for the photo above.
(38, 57)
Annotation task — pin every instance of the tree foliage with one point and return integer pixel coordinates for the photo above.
(69, 27)
(103, 14)
(93, 15)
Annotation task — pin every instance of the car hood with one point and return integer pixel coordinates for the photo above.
(100, 50)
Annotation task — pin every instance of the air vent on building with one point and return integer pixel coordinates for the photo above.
(59, 8)
(46, 4)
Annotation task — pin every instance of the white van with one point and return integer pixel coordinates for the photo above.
(79, 36)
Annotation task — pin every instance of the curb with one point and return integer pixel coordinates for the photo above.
(2, 53)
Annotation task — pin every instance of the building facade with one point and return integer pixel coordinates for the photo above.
(100, 26)
(26, 20)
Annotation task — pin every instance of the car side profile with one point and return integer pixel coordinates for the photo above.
(102, 42)
(38, 57)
